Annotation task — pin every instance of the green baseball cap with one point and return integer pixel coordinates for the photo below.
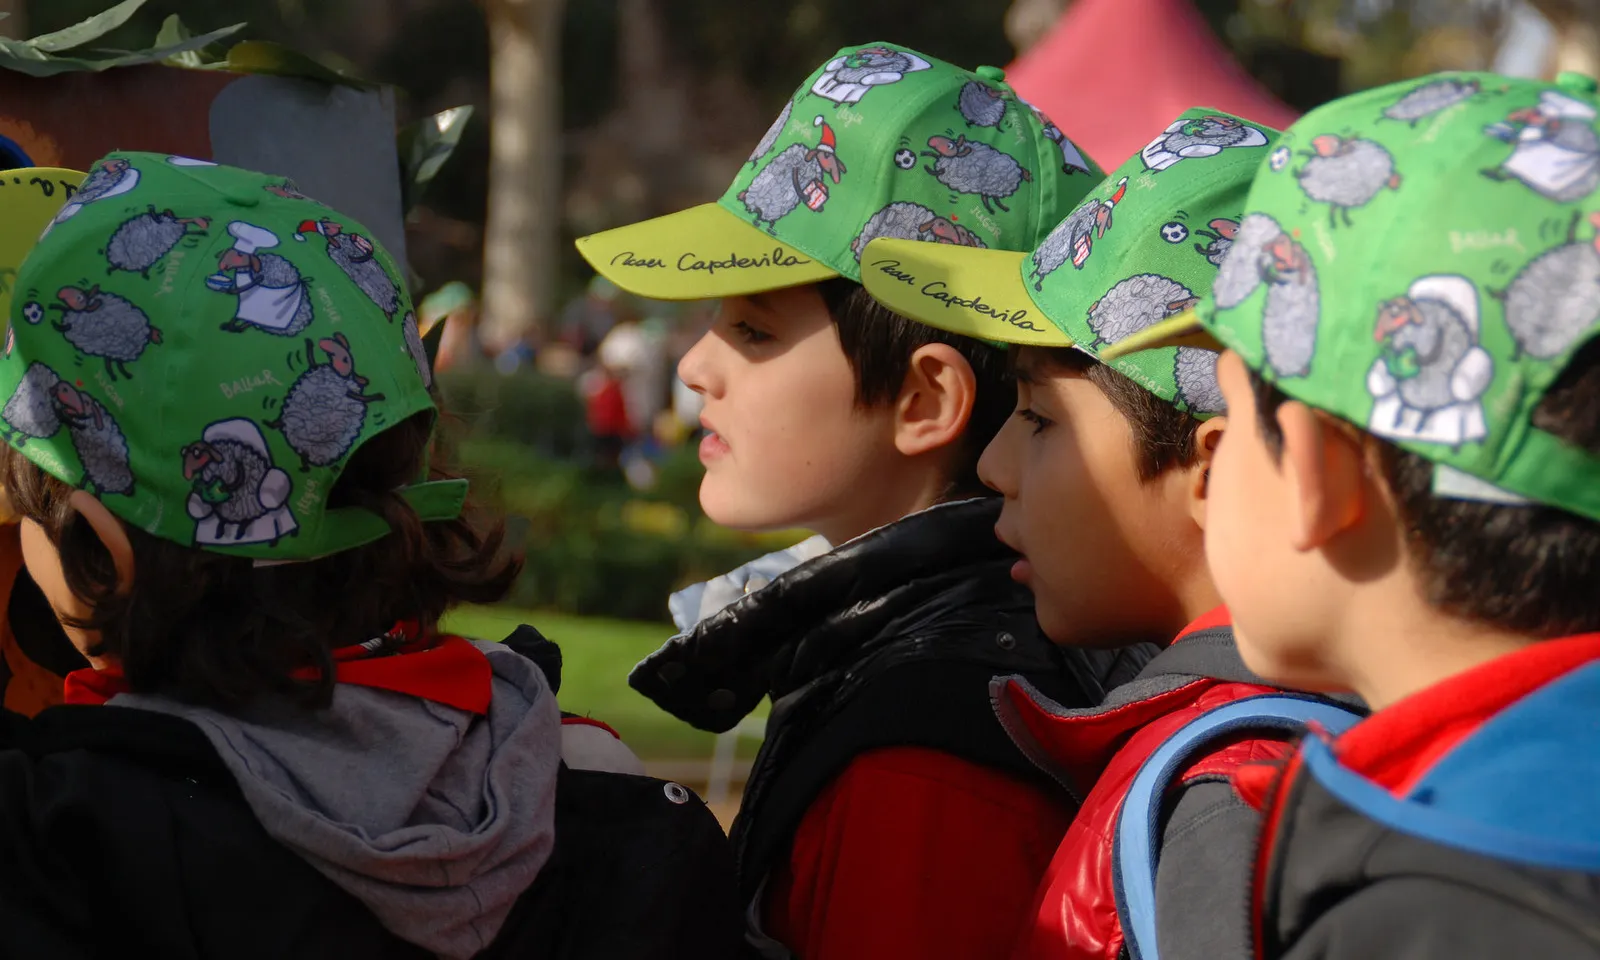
(203, 348)
(1423, 260)
(879, 142)
(1142, 247)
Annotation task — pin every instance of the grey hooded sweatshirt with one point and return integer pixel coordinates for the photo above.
(435, 818)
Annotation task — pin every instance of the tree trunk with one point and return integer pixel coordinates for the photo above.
(14, 26)
(525, 160)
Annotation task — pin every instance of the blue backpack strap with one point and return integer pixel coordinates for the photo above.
(1137, 847)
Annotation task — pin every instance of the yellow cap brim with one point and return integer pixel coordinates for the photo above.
(702, 253)
(24, 213)
(1183, 330)
(967, 290)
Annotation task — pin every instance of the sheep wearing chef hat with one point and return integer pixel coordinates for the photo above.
(272, 294)
(1557, 151)
(357, 257)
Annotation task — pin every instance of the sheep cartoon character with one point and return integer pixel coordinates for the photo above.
(1072, 159)
(846, 79)
(1136, 303)
(1263, 253)
(1199, 137)
(415, 347)
(1554, 300)
(326, 407)
(967, 166)
(1433, 97)
(104, 325)
(1220, 233)
(101, 447)
(1346, 172)
(773, 133)
(1429, 383)
(236, 495)
(794, 177)
(981, 105)
(1195, 371)
(1073, 238)
(272, 295)
(31, 411)
(903, 220)
(109, 178)
(285, 189)
(1557, 151)
(356, 256)
(141, 242)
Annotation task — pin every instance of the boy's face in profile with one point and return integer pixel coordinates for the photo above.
(1272, 588)
(1096, 539)
(789, 445)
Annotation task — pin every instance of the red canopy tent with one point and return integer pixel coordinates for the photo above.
(1113, 73)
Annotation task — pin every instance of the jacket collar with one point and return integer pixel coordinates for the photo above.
(818, 615)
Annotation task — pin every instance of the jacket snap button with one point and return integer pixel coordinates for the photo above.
(720, 699)
(1006, 641)
(676, 792)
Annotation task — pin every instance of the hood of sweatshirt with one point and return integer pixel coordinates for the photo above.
(437, 818)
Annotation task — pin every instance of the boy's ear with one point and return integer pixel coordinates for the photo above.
(111, 533)
(1206, 438)
(935, 400)
(1324, 468)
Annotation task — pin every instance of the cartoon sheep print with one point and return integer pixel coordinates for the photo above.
(1429, 382)
(111, 178)
(1264, 254)
(31, 411)
(1431, 98)
(140, 243)
(104, 325)
(1195, 371)
(1073, 238)
(981, 105)
(794, 177)
(1136, 303)
(847, 79)
(967, 166)
(1555, 299)
(325, 409)
(1219, 234)
(773, 133)
(236, 495)
(355, 255)
(1346, 173)
(1072, 159)
(912, 221)
(1557, 151)
(414, 346)
(1199, 137)
(272, 295)
(101, 447)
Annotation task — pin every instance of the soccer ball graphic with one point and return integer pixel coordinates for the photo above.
(904, 159)
(1174, 232)
(1279, 159)
(32, 312)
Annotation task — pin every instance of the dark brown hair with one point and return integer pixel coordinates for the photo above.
(1163, 435)
(1529, 569)
(217, 630)
(879, 343)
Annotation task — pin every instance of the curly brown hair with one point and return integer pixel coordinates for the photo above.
(217, 630)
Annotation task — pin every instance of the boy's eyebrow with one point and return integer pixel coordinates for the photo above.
(1022, 367)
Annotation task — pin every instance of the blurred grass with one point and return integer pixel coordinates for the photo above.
(597, 654)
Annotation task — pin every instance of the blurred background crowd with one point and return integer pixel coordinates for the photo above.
(587, 114)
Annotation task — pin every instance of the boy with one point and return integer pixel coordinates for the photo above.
(1407, 506)
(885, 814)
(1104, 475)
(220, 451)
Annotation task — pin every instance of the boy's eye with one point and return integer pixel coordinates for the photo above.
(750, 334)
(1039, 422)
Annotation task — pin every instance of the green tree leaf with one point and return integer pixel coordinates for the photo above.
(260, 56)
(93, 28)
(424, 147)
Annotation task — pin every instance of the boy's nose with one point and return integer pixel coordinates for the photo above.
(694, 369)
(997, 466)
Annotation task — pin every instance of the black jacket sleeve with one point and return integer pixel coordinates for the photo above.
(1203, 878)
